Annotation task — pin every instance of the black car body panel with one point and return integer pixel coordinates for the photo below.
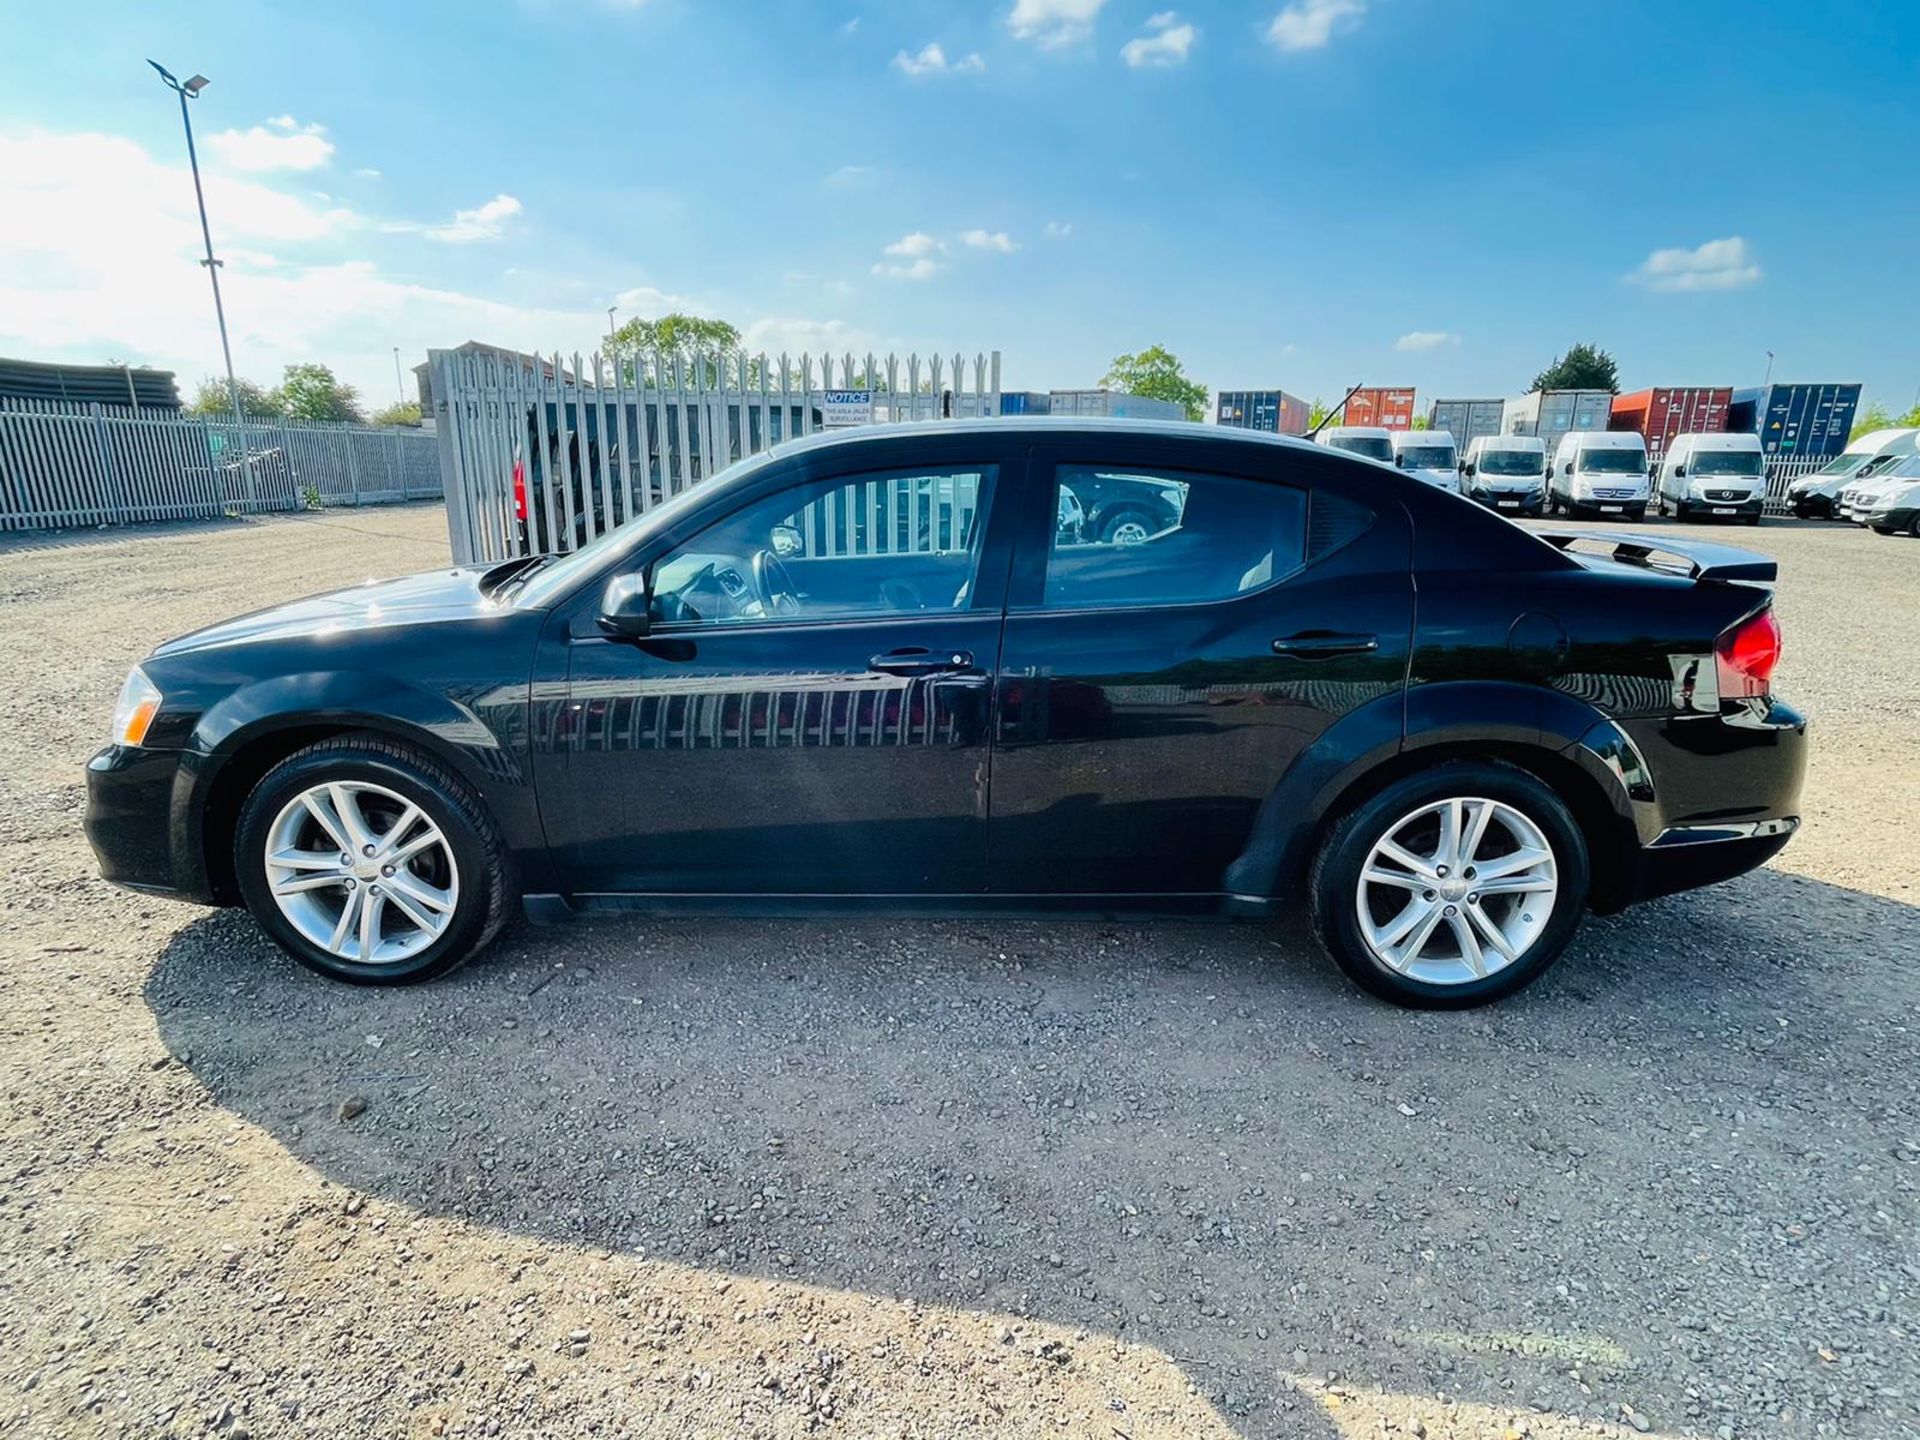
(1180, 755)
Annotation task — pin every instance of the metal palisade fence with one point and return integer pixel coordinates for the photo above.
(64, 466)
(541, 455)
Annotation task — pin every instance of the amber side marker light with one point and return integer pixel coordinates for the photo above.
(139, 702)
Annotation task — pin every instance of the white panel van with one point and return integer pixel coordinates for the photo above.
(1428, 455)
(1713, 476)
(1507, 473)
(1600, 472)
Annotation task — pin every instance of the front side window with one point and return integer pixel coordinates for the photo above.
(877, 544)
(1168, 537)
(1726, 462)
(1613, 462)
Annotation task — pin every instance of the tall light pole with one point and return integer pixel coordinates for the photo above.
(398, 384)
(612, 310)
(1769, 379)
(187, 90)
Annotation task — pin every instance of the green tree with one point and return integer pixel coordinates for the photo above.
(1156, 374)
(1421, 422)
(1583, 367)
(1875, 417)
(311, 392)
(1316, 413)
(215, 401)
(676, 336)
(407, 412)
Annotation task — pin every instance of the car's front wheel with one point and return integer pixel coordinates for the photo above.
(369, 862)
(1450, 888)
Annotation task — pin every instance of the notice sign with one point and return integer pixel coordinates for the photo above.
(846, 407)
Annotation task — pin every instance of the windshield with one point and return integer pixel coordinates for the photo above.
(1512, 462)
(1726, 462)
(1427, 457)
(1908, 469)
(1613, 462)
(1371, 446)
(1843, 464)
(554, 575)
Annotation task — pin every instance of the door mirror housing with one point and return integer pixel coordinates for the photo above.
(1679, 470)
(626, 609)
(1401, 461)
(1468, 471)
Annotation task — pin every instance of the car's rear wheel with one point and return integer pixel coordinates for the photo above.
(1128, 525)
(368, 862)
(1453, 887)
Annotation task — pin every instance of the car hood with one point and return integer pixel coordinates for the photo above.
(438, 595)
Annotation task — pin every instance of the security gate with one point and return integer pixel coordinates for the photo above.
(542, 455)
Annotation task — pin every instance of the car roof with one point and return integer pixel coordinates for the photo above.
(1041, 426)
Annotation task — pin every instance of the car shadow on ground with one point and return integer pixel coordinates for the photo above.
(1198, 1136)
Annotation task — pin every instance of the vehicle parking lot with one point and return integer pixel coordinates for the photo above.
(929, 1178)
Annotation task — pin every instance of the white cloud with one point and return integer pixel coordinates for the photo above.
(932, 60)
(848, 175)
(259, 149)
(847, 27)
(920, 269)
(1052, 24)
(1059, 229)
(919, 243)
(1166, 43)
(483, 222)
(367, 173)
(1426, 340)
(1717, 265)
(989, 240)
(1310, 24)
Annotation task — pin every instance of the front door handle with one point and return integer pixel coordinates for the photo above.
(1319, 645)
(918, 660)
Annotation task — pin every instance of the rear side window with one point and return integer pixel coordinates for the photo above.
(1125, 537)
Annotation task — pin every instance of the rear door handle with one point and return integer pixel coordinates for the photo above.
(1322, 646)
(918, 660)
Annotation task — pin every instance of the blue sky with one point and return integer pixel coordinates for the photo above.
(1302, 193)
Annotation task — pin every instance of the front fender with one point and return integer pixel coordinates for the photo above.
(480, 738)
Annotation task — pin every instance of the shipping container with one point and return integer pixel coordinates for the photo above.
(1114, 404)
(1024, 402)
(1811, 421)
(1274, 411)
(1552, 413)
(1466, 420)
(1666, 411)
(1388, 406)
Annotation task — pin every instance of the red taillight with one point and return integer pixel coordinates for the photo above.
(1746, 655)
(520, 490)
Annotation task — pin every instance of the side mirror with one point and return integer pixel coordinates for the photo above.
(1468, 471)
(1567, 469)
(1678, 471)
(785, 540)
(1401, 461)
(626, 609)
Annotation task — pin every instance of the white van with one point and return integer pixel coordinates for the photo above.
(1428, 455)
(1600, 470)
(1507, 473)
(1718, 475)
(1816, 494)
(1372, 441)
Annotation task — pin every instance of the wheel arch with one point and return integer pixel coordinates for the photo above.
(1564, 743)
(236, 743)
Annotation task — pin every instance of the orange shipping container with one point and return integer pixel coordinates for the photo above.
(1387, 406)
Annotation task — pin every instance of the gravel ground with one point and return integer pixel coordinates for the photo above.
(716, 1178)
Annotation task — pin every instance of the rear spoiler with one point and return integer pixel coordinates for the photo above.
(1695, 559)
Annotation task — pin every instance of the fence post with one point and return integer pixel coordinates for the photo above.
(353, 468)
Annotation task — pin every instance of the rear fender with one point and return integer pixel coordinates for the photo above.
(1570, 745)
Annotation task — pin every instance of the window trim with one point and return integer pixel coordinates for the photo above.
(990, 472)
(1043, 473)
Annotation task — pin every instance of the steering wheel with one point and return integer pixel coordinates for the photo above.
(775, 583)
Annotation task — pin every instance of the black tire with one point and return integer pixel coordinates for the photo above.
(1120, 515)
(487, 890)
(1335, 877)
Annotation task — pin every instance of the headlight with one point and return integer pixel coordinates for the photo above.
(139, 702)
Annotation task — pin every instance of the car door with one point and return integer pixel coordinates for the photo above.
(1153, 689)
(808, 713)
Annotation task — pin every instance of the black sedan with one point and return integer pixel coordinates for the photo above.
(874, 671)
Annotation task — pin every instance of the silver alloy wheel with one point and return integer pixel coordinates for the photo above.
(1128, 532)
(1456, 890)
(361, 872)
